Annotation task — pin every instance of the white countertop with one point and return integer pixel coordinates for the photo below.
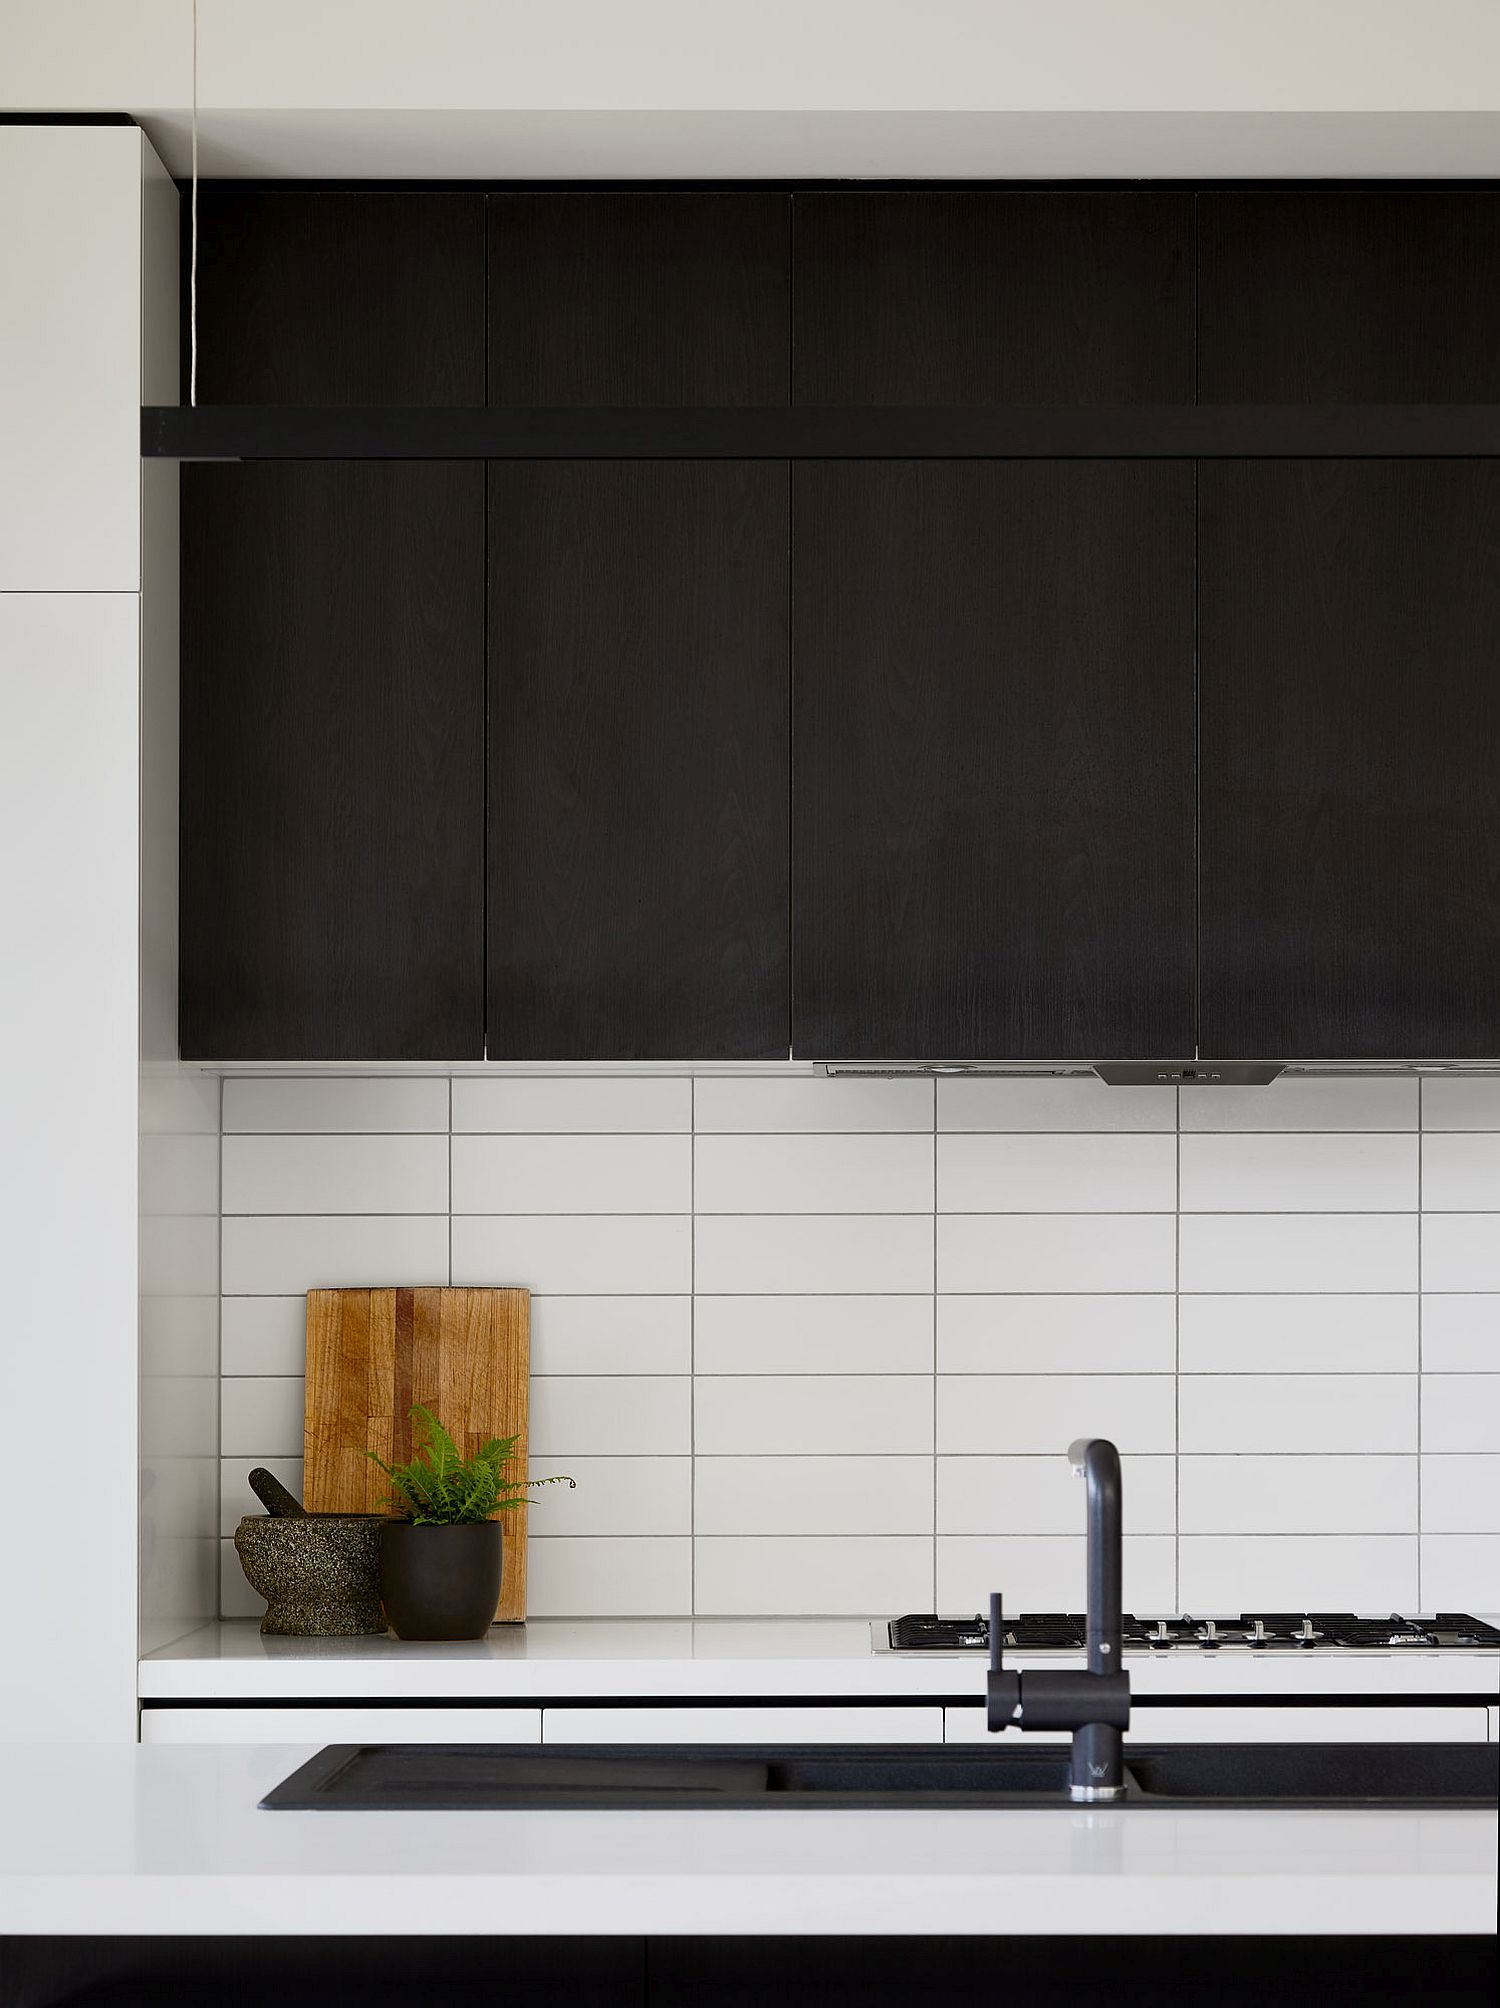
(707, 1658)
(170, 1840)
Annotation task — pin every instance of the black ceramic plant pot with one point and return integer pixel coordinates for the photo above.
(440, 1582)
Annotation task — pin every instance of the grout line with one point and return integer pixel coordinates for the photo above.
(450, 1184)
(1420, 1100)
(934, 1345)
(693, 1348)
(219, 1324)
(1177, 1363)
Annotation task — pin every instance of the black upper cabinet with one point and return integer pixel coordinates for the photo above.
(1009, 298)
(637, 298)
(1350, 673)
(993, 770)
(332, 761)
(1348, 297)
(638, 761)
(339, 297)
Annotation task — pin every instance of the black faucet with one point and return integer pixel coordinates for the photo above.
(1094, 1705)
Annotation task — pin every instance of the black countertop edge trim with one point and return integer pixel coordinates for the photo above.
(68, 119)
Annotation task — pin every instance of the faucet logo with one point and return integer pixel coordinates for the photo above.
(1098, 1770)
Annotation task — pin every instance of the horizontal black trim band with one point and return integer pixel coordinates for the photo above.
(66, 119)
(862, 432)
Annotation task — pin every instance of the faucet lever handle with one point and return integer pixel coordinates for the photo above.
(997, 1632)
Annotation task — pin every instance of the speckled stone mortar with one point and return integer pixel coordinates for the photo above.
(320, 1576)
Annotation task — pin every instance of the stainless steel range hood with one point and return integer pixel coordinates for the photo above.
(1156, 1073)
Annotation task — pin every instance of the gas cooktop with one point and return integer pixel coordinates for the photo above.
(1264, 1631)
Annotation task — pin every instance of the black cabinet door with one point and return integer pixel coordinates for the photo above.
(1349, 296)
(1350, 693)
(339, 296)
(638, 761)
(993, 768)
(994, 298)
(639, 297)
(332, 761)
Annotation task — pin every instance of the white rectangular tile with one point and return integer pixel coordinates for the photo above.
(813, 1174)
(979, 1172)
(261, 1417)
(335, 1174)
(1460, 1572)
(993, 1415)
(810, 1577)
(263, 1335)
(179, 1255)
(236, 1598)
(1045, 1572)
(807, 1103)
(355, 1104)
(1331, 1414)
(649, 1255)
(1066, 1252)
(1308, 1173)
(1040, 1495)
(1298, 1495)
(580, 1104)
(1331, 1251)
(1461, 1251)
(1460, 1494)
(235, 1497)
(177, 1102)
(605, 1415)
(180, 1335)
(614, 1495)
(869, 1414)
(180, 1416)
(1299, 1102)
(1461, 1334)
(1461, 1412)
(1298, 1334)
(1461, 1173)
(1461, 1103)
(813, 1495)
(611, 1335)
(179, 1174)
(277, 1257)
(813, 1335)
(620, 1577)
(1079, 1102)
(1058, 1335)
(572, 1174)
(762, 1254)
(1230, 1573)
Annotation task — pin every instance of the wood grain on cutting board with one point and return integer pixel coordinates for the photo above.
(371, 1354)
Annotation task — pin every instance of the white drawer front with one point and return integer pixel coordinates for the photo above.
(772, 1724)
(341, 1725)
(1399, 1723)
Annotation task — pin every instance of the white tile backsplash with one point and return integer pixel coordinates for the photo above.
(817, 1346)
(982, 1173)
(335, 1174)
(1298, 1252)
(1303, 1173)
(752, 1254)
(329, 1106)
(1040, 1252)
(572, 1174)
(813, 1174)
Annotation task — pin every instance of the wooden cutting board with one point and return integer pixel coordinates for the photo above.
(371, 1354)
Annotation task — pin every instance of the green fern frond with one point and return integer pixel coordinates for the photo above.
(440, 1487)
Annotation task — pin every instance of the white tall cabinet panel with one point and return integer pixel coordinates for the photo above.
(70, 359)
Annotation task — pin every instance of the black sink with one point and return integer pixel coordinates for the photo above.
(391, 1777)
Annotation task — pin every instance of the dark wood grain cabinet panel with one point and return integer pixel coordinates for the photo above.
(1350, 671)
(993, 769)
(638, 889)
(994, 298)
(1349, 296)
(639, 297)
(339, 297)
(332, 866)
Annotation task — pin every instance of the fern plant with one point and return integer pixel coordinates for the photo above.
(441, 1488)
